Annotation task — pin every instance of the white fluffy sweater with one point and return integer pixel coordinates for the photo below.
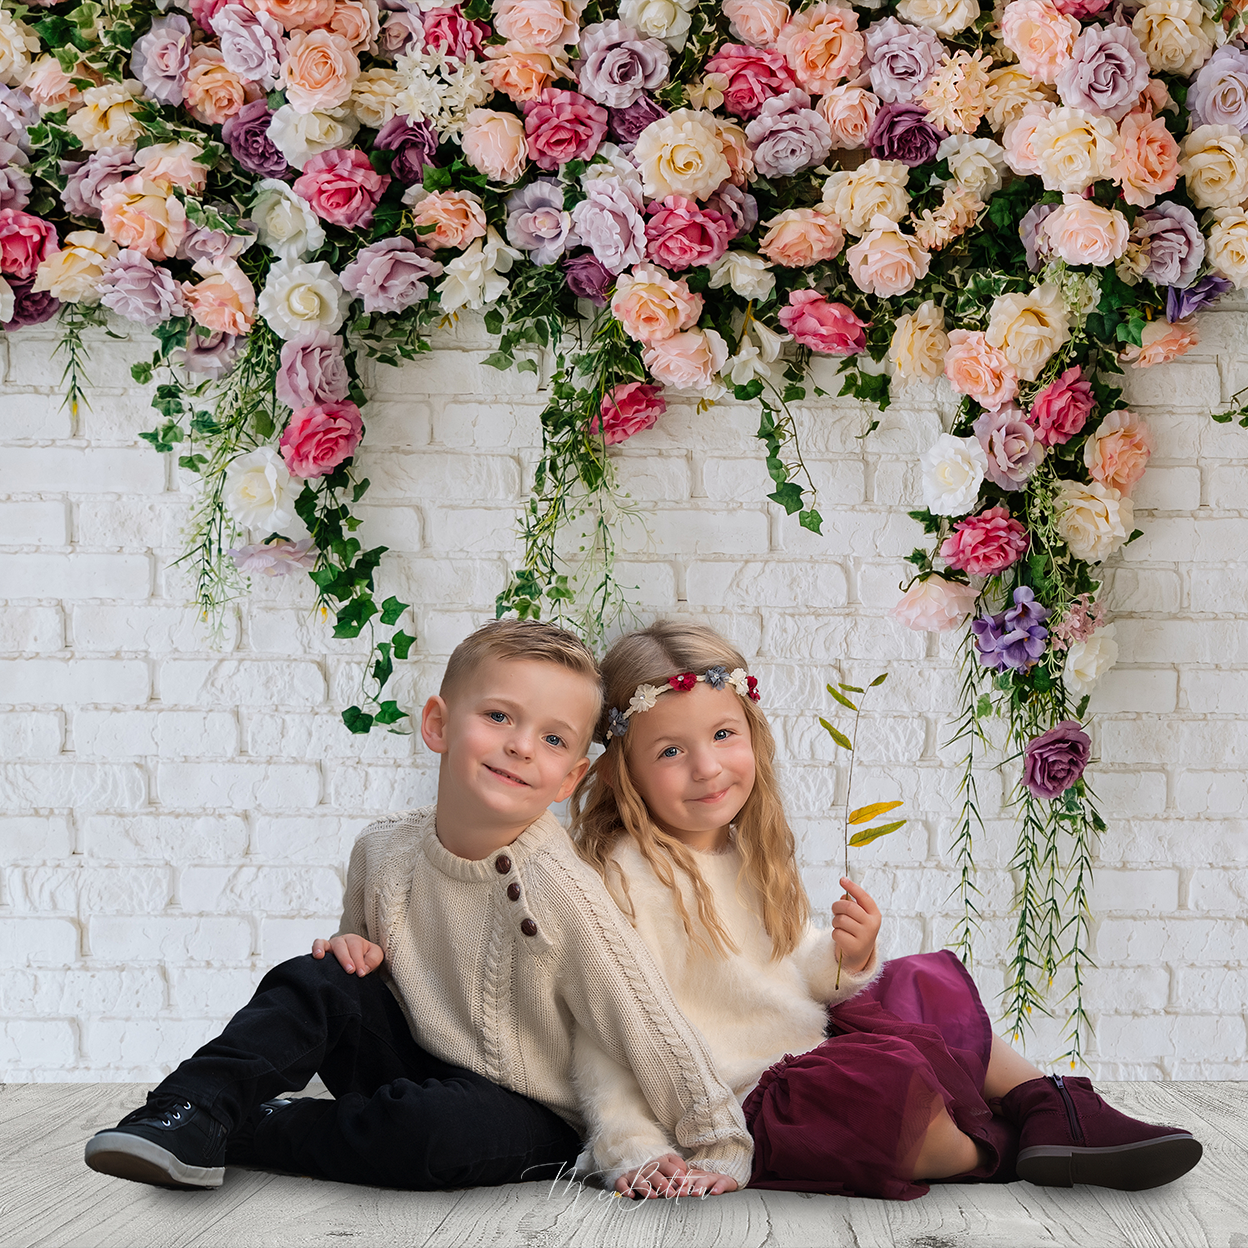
(751, 1010)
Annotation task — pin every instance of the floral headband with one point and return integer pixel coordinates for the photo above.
(647, 695)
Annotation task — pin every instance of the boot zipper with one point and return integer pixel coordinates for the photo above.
(1075, 1129)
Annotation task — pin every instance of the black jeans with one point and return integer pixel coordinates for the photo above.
(400, 1117)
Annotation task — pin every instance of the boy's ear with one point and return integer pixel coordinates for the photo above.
(433, 724)
(572, 779)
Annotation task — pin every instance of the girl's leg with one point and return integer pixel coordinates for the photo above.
(1006, 1070)
(946, 1151)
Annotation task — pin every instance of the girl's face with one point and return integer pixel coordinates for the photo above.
(691, 758)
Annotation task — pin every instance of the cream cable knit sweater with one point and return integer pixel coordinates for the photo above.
(495, 961)
(752, 1010)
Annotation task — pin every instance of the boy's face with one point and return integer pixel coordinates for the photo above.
(513, 737)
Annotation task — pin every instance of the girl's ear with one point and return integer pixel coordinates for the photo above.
(433, 723)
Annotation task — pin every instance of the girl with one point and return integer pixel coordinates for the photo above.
(855, 1078)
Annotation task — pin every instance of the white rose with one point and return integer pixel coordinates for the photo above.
(919, 344)
(17, 42)
(374, 97)
(300, 136)
(1029, 328)
(953, 469)
(473, 278)
(1172, 35)
(1215, 166)
(260, 492)
(1228, 245)
(1093, 520)
(659, 19)
(1087, 661)
(287, 225)
(749, 275)
(1073, 149)
(611, 162)
(300, 299)
(682, 154)
(975, 164)
(945, 17)
(875, 188)
(760, 348)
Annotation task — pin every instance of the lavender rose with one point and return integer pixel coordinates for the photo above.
(90, 180)
(389, 275)
(18, 112)
(247, 134)
(609, 222)
(1106, 72)
(1218, 95)
(312, 370)
(1055, 760)
(1034, 243)
(617, 64)
(30, 307)
(1182, 303)
(537, 222)
(901, 59)
(788, 136)
(740, 207)
(209, 355)
(14, 187)
(162, 57)
(1010, 445)
(414, 144)
(252, 44)
(201, 243)
(626, 124)
(588, 278)
(139, 290)
(1173, 243)
(902, 132)
(401, 33)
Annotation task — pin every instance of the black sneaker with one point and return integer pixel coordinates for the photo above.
(169, 1142)
(240, 1148)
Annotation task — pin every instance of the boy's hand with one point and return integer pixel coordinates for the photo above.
(855, 925)
(671, 1176)
(357, 955)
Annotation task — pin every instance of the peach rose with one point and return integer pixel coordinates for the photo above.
(875, 188)
(1215, 166)
(456, 216)
(1040, 35)
(213, 93)
(1010, 90)
(651, 306)
(73, 273)
(1019, 139)
(106, 118)
(538, 23)
(318, 71)
(919, 344)
(522, 73)
(688, 361)
(494, 144)
(758, 22)
(1147, 161)
(979, 369)
(885, 261)
(224, 301)
(849, 112)
(174, 164)
(736, 149)
(1073, 148)
(822, 46)
(358, 22)
(935, 605)
(800, 237)
(1173, 36)
(1029, 328)
(144, 216)
(1117, 452)
(682, 154)
(50, 86)
(1161, 343)
(296, 14)
(1227, 249)
(1082, 232)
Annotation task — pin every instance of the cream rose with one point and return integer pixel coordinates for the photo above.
(1214, 161)
(1082, 232)
(1010, 90)
(300, 299)
(72, 274)
(374, 97)
(849, 112)
(1019, 138)
(945, 17)
(919, 343)
(300, 136)
(974, 164)
(106, 118)
(1173, 36)
(1227, 248)
(284, 221)
(494, 144)
(748, 274)
(17, 43)
(259, 491)
(1087, 661)
(1073, 149)
(758, 22)
(877, 188)
(886, 262)
(953, 470)
(682, 154)
(1093, 520)
(1029, 328)
(668, 20)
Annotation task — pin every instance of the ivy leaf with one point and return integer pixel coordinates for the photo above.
(811, 519)
(867, 835)
(864, 814)
(789, 496)
(841, 698)
(839, 737)
(389, 713)
(391, 609)
(356, 720)
(402, 643)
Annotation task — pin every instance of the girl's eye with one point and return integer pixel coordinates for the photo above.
(497, 716)
(552, 739)
(670, 752)
(723, 734)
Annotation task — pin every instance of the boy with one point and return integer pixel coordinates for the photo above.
(453, 1067)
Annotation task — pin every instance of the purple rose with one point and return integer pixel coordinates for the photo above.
(1016, 638)
(536, 221)
(89, 180)
(14, 187)
(402, 32)
(139, 290)
(1055, 760)
(788, 136)
(414, 144)
(162, 57)
(247, 134)
(201, 243)
(617, 64)
(1218, 95)
(902, 132)
(1173, 243)
(30, 307)
(1011, 446)
(18, 112)
(740, 207)
(902, 59)
(252, 44)
(609, 222)
(389, 275)
(588, 278)
(312, 370)
(626, 124)
(210, 355)
(1034, 243)
(1106, 72)
(1182, 303)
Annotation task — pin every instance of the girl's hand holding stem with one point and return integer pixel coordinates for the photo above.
(855, 925)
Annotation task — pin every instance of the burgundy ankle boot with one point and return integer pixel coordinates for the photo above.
(1068, 1135)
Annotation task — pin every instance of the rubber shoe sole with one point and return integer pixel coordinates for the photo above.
(127, 1156)
(1127, 1167)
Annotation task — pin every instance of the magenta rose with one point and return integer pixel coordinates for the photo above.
(320, 437)
(1062, 408)
(389, 275)
(563, 126)
(679, 234)
(826, 328)
(1055, 760)
(617, 64)
(25, 241)
(754, 76)
(986, 544)
(312, 370)
(451, 30)
(902, 132)
(30, 307)
(627, 410)
(343, 187)
(162, 57)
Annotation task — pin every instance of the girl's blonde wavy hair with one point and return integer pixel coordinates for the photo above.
(606, 804)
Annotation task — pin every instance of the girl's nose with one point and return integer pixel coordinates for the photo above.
(706, 765)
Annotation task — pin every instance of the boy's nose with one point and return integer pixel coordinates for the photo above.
(521, 744)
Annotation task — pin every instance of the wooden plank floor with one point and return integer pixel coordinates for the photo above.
(49, 1198)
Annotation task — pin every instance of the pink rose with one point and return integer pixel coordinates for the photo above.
(800, 237)
(979, 369)
(449, 29)
(213, 93)
(25, 242)
(850, 112)
(1118, 451)
(986, 544)
(1162, 343)
(1082, 232)
(754, 77)
(652, 306)
(456, 216)
(688, 361)
(313, 370)
(342, 187)
(537, 23)
(679, 234)
(494, 144)
(1146, 163)
(318, 72)
(1062, 408)
(885, 261)
(1040, 35)
(563, 126)
(756, 21)
(826, 328)
(822, 46)
(934, 605)
(626, 410)
(224, 301)
(320, 437)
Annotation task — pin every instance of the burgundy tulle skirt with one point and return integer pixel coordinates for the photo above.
(849, 1116)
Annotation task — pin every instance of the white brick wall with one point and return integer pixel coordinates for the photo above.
(175, 818)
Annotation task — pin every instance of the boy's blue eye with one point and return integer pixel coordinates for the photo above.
(497, 716)
(553, 739)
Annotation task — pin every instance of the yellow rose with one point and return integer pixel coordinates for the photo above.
(1227, 251)
(1173, 36)
(875, 188)
(1029, 328)
(72, 274)
(106, 118)
(1215, 164)
(919, 344)
(374, 96)
(17, 42)
(1010, 90)
(682, 154)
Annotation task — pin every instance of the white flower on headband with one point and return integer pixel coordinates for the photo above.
(645, 698)
(739, 679)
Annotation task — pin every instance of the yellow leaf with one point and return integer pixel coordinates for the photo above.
(867, 835)
(839, 737)
(864, 814)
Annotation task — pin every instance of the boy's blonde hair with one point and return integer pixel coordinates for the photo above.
(522, 639)
(606, 804)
